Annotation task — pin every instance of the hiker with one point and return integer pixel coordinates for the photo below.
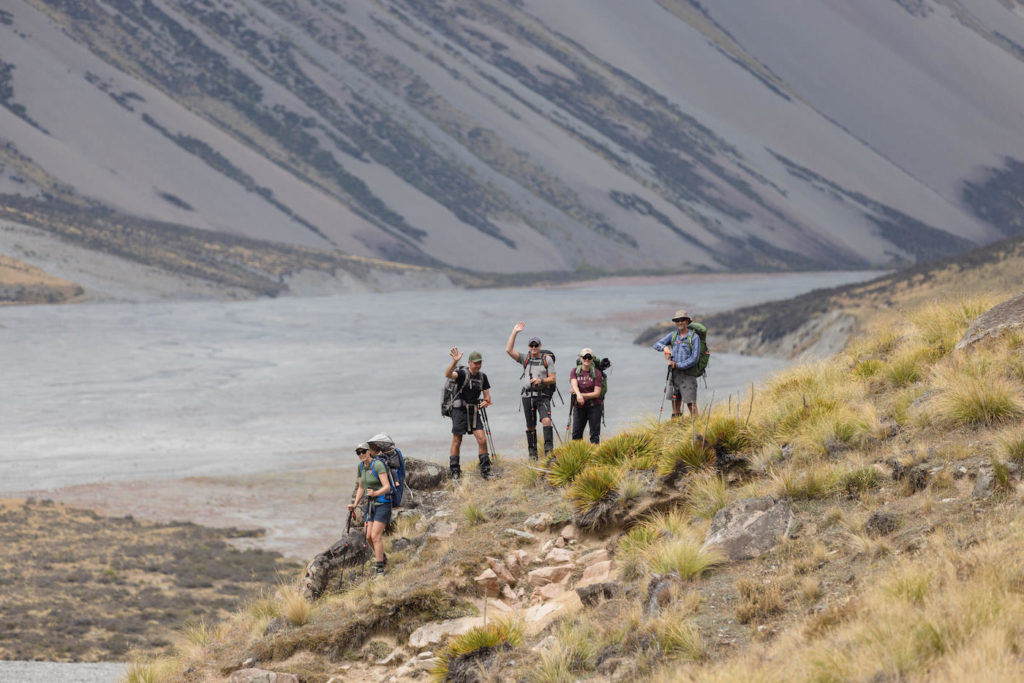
(588, 406)
(538, 386)
(682, 351)
(374, 482)
(470, 383)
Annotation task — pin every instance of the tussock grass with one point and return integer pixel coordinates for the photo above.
(684, 456)
(726, 432)
(570, 460)
(1011, 446)
(685, 557)
(473, 514)
(758, 600)
(859, 480)
(630, 488)
(637, 449)
(293, 605)
(812, 482)
(941, 323)
(707, 493)
(162, 670)
(973, 392)
(477, 641)
(677, 636)
(593, 486)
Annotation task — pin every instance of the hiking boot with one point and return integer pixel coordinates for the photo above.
(485, 465)
(454, 469)
(531, 444)
(549, 441)
(378, 571)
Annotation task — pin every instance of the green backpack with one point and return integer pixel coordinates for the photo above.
(701, 367)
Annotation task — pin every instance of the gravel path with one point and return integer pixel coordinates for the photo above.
(53, 672)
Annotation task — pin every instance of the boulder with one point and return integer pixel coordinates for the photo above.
(498, 567)
(749, 527)
(1008, 315)
(984, 483)
(546, 575)
(538, 521)
(488, 584)
(558, 556)
(596, 592)
(520, 534)
(662, 591)
(437, 632)
(262, 676)
(569, 532)
(596, 573)
(550, 591)
(539, 617)
(594, 556)
(421, 475)
(517, 562)
(509, 594)
(349, 551)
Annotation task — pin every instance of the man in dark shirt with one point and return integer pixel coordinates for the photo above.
(538, 384)
(470, 384)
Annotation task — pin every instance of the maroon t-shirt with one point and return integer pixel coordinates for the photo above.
(587, 384)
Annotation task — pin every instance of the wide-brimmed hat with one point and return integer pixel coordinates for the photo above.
(680, 314)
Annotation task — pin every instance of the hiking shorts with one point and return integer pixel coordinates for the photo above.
(380, 512)
(536, 407)
(685, 386)
(461, 420)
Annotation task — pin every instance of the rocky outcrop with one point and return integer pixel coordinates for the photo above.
(348, 551)
(748, 528)
(1008, 315)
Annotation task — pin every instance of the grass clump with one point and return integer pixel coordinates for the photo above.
(1012, 447)
(633, 448)
(473, 514)
(593, 486)
(570, 460)
(758, 601)
(726, 433)
(859, 481)
(813, 481)
(974, 393)
(476, 643)
(294, 606)
(707, 493)
(685, 557)
(684, 456)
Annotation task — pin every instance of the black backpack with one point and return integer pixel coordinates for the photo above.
(451, 392)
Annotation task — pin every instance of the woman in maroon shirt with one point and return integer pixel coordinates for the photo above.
(586, 383)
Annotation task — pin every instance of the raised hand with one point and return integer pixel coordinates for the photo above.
(456, 354)
(520, 326)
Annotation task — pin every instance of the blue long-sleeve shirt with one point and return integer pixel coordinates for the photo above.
(685, 350)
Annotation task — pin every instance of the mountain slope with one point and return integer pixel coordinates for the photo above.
(528, 135)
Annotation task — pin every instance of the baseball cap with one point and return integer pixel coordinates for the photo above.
(534, 339)
(585, 352)
(475, 357)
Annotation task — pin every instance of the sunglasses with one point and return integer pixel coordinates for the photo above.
(588, 357)
(534, 345)
(361, 451)
(679, 320)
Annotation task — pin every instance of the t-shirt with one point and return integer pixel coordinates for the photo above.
(373, 477)
(587, 384)
(541, 367)
(475, 385)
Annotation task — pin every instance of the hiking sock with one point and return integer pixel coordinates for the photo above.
(676, 416)
(549, 440)
(531, 443)
(379, 568)
(485, 465)
(454, 468)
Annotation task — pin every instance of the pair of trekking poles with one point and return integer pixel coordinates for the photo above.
(482, 411)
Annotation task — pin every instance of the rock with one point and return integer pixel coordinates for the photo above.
(437, 632)
(538, 521)
(442, 530)
(596, 573)
(539, 617)
(488, 584)
(392, 658)
(1008, 315)
(596, 592)
(550, 591)
(546, 575)
(421, 475)
(399, 544)
(517, 562)
(569, 532)
(425, 655)
(917, 478)
(960, 472)
(881, 523)
(661, 591)
(520, 534)
(498, 567)
(749, 527)
(348, 551)
(262, 676)
(593, 557)
(558, 556)
(509, 594)
(985, 483)
(559, 542)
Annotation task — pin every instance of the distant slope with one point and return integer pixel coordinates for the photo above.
(24, 283)
(529, 135)
(817, 322)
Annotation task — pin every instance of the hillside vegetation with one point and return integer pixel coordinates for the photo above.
(22, 283)
(900, 459)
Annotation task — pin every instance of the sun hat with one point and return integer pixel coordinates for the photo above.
(680, 314)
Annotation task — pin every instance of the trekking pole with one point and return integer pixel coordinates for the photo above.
(568, 422)
(487, 430)
(664, 394)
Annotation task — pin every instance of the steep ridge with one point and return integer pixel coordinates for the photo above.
(528, 136)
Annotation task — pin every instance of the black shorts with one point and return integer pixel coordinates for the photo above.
(380, 512)
(461, 421)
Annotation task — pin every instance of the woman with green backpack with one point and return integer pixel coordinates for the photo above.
(587, 403)
(375, 484)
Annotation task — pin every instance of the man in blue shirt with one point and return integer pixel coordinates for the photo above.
(682, 351)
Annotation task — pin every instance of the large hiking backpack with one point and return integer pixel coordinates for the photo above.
(602, 364)
(451, 392)
(394, 462)
(701, 366)
(548, 389)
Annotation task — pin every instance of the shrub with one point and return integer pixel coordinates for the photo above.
(859, 480)
(685, 557)
(593, 486)
(570, 460)
(478, 640)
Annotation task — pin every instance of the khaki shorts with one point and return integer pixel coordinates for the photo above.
(685, 386)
